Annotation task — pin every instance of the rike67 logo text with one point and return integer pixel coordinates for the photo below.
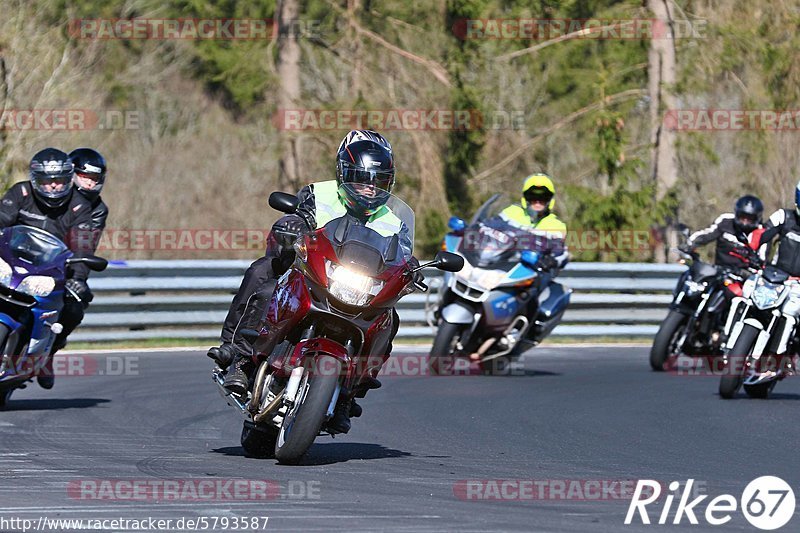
(767, 503)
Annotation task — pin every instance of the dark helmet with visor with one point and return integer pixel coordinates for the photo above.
(364, 172)
(51, 177)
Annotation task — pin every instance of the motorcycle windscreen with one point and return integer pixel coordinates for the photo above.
(33, 245)
(387, 238)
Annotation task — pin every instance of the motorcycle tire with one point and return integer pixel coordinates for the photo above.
(303, 422)
(733, 372)
(670, 328)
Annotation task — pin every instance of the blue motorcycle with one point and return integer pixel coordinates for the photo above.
(33, 265)
(483, 310)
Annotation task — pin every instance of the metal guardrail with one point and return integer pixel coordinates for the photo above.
(188, 299)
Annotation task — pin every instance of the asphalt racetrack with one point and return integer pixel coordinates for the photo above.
(557, 447)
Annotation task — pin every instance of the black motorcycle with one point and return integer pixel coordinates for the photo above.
(694, 324)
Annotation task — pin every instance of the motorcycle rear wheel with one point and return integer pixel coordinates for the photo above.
(734, 370)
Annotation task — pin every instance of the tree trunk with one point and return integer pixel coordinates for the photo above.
(4, 97)
(353, 7)
(661, 74)
(288, 69)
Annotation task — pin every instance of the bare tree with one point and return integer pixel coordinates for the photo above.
(288, 69)
(661, 79)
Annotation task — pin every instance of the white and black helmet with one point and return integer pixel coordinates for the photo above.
(51, 177)
(365, 171)
(91, 164)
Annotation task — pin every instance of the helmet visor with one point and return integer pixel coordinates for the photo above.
(379, 179)
(747, 220)
(89, 181)
(538, 195)
(52, 186)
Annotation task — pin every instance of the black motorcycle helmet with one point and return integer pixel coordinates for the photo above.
(747, 213)
(364, 172)
(51, 177)
(89, 164)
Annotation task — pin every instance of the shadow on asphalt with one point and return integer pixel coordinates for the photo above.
(53, 404)
(519, 373)
(341, 452)
(332, 453)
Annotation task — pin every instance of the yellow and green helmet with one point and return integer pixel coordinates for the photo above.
(538, 185)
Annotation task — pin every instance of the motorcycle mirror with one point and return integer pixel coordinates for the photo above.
(529, 258)
(683, 229)
(283, 202)
(456, 224)
(97, 264)
(449, 262)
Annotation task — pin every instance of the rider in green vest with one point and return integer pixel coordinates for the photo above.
(365, 175)
(535, 214)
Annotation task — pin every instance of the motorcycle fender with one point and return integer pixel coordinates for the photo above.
(737, 330)
(754, 322)
(457, 313)
(761, 343)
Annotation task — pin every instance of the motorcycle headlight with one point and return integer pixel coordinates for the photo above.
(37, 285)
(693, 287)
(5, 273)
(350, 287)
(766, 294)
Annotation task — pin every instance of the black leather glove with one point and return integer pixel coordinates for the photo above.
(287, 229)
(685, 248)
(548, 262)
(79, 290)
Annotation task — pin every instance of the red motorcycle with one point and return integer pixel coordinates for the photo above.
(327, 328)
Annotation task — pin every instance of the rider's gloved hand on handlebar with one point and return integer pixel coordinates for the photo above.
(79, 290)
(287, 229)
(548, 262)
(685, 248)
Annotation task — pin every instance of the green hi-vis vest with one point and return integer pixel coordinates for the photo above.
(328, 207)
(550, 224)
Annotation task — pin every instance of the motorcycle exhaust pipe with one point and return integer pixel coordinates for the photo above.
(523, 328)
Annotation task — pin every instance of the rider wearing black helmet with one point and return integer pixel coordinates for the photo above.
(90, 176)
(49, 203)
(736, 234)
(365, 176)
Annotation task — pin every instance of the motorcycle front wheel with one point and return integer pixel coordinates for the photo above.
(303, 421)
(442, 353)
(734, 369)
(664, 342)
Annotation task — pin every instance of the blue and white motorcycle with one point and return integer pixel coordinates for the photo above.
(33, 266)
(483, 310)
